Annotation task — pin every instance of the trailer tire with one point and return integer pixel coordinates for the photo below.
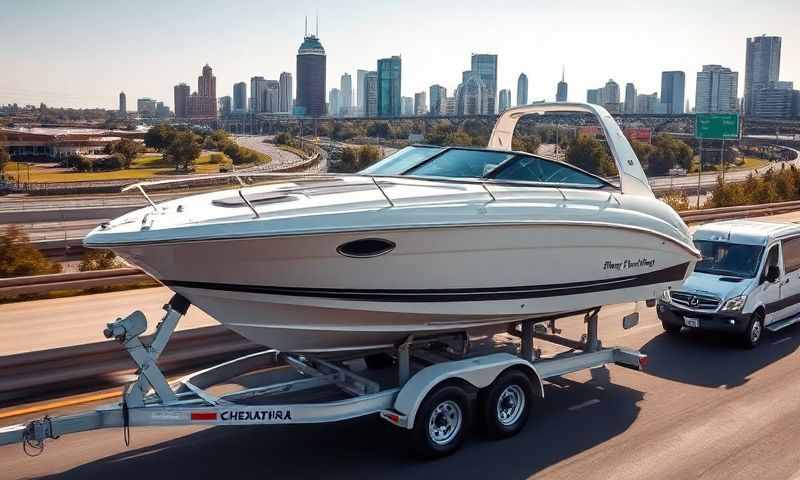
(441, 421)
(505, 404)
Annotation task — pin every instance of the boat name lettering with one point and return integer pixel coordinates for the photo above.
(628, 264)
(247, 415)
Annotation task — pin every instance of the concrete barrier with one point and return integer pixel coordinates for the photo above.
(64, 214)
(11, 287)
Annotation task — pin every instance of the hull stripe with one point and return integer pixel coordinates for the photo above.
(670, 274)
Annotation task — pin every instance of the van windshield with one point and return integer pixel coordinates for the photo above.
(729, 259)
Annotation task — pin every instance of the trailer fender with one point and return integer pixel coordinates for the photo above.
(479, 372)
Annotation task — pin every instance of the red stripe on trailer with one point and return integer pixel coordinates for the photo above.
(204, 415)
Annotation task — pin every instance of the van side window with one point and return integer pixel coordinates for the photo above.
(791, 254)
(772, 260)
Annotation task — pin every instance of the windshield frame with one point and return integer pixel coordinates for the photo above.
(759, 249)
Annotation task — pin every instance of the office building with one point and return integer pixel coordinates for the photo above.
(420, 105)
(451, 106)
(272, 97)
(240, 97)
(202, 104)
(406, 106)
(123, 104)
(389, 87)
(371, 94)
(361, 91)
(438, 99)
(162, 111)
(776, 100)
(562, 90)
(258, 88)
(334, 102)
(650, 104)
(716, 90)
(225, 105)
(311, 62)
(611, 92)
(762, 66)
(346, 89)
(630, 98)
(505, 100)
(485, 65)
(181, 93)
(522, 89)
(673, 85)
(472, 95)
(146, 107)
(286, 100)
(594, 96)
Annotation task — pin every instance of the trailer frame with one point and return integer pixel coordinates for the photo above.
(445, 360)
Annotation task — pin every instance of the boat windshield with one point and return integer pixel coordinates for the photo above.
(457, 162)
(399, 162)
(729, 259)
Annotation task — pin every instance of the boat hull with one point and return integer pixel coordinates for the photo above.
(299, 294)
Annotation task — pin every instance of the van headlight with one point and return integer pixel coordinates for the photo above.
(734, 304)
(666, 297)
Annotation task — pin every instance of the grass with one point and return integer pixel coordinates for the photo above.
(142, 167)
(750, 163)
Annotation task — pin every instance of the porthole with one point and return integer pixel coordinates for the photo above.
(365, 248)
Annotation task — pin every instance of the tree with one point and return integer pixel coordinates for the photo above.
(128, 149)
(379, 129)
(159, 137)
(18, 258)
(526, 143)
(99, 260)
(5, 158)
(183, 150)
(589, 154)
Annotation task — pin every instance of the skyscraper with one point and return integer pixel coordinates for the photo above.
(389, 86)
(240, 97)
(406, 106)
(334, 102)
(272, 97)
(123, 107)
(258, 88)
(763, 65)
(146, 107)
(371, 94)
(594, 96)
(207, 83)
(505, 100)
(630, 98)
(716, 90)
(346, 88)
(438, 99)
(673, 85)
(311, 77)
(361, 85)
(485, 65)
(522, 89)
(181, 93)
(611, 92)
(776, 100)
(472, 96)
(562, 90)
(420, 106)
(286, 100)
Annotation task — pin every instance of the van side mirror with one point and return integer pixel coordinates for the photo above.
(773, 273)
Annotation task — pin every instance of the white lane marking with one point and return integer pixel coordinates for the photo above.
(784, 339)
(585, 404)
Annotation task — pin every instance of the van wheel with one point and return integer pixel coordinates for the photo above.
(504, 405)
(754, 331)
(440, 422)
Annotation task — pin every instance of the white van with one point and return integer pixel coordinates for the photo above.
(748, 280)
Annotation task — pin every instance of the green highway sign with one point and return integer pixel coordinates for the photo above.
(716, 126)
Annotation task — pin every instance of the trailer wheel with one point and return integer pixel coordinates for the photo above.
(504, 405)
(440, 422)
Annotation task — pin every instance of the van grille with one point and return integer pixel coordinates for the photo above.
(700, 302)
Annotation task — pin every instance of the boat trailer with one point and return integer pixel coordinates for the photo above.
(427, 384)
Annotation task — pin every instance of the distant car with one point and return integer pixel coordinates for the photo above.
(677, 172)
(748, 280)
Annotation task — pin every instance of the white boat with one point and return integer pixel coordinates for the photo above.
(429, 240)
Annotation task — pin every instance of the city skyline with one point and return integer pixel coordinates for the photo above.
(237, 54)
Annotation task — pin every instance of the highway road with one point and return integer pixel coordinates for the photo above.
(702, 408)
(280, 158)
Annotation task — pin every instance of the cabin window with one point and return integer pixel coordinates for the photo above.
(367, 247)
(457, 163)
(532, 169)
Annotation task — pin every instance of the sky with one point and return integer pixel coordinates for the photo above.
(82, 53)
